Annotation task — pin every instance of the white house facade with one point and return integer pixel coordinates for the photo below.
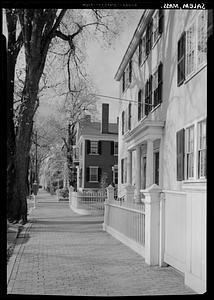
(162, 130)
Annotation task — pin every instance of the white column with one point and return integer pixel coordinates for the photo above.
(129, 168)
(149, 163)
(138, 173)
(78, 179)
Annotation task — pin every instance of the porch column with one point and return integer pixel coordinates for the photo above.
(138, 173)
(149, 163)
(78, 179)
(129, 168)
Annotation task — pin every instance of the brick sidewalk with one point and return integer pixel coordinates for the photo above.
(68, 254)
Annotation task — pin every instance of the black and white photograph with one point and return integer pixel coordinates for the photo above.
(106, 146)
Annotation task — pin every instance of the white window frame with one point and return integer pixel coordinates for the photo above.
(116, 154)
(190, 49)
(94, 147)
(155, 27)
(90, 169)
(201, 148)
(196, 65)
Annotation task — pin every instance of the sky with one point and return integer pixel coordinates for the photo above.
(103, 65)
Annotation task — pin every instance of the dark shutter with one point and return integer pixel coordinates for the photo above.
(87, 173)
(99, 174)
(99, 147)
(150, 92)
(123, 87)
(139, 105)
(88, 146)
(122, 170)
(130, 71)
(129, 116)
(181, 59)
(140, 52)
(180, 136)
(123, 120)
(146, 98)
(160, 21)
(112, 148)
(160, 82)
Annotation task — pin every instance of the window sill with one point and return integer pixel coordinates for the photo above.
(93, 154)
(190, 76)
(194, 185)
(93, 181)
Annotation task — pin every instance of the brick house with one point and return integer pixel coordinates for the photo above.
(162, 130)
(96, 152)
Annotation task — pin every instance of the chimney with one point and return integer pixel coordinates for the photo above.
(105, 118)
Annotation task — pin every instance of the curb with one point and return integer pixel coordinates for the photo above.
(17, 248)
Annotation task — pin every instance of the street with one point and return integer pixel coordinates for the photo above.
(64, 253)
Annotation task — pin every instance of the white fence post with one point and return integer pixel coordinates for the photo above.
(129, 196)
(110, 193)
(152, 229)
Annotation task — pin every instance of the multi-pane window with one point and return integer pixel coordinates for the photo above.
(130, 71)
(94, 147)
(155, 27)
(127, 76)
(93, 174)
(189, 152)
(202, 149)
(190, 49)
(148, 95)
(140, 52)
(115, 148)
(202, 38)
(181, 59)
(149, 37)
(157, 85)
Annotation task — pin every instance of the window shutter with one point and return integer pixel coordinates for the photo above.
(112, 148)
(130, 71)
(160, 81)
(99, 174)
(87, 173)
(180, 135)
(129, 118)
(100, 147)
(122, 169)
(146, 98)
(123, 116)
(160, 21)
(140, 53)
(139, 105)
(88, 146)
(123, 86)
(181, 59)
(150, 92)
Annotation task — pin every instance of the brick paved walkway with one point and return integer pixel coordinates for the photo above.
(68, 254)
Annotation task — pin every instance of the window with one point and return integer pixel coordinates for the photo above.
(114, 148)
(94, 147)
(181, 60)
(123, 82)
(129, 116)
(149, 37)
(202, 149)
(93, 174)
(155, 27)
(202, 38)
(190, 50)
(115, 174)
(189, 153)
